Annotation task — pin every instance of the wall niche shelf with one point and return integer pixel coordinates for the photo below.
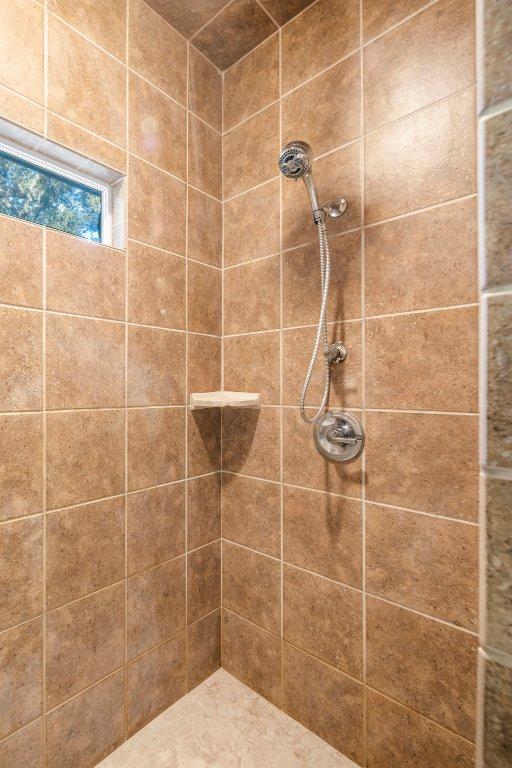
(223, 399)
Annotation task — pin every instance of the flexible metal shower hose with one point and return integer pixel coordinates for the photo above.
(321, 332)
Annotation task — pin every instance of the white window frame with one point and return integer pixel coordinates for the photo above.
(61, 169)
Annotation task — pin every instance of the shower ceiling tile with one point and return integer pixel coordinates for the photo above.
(284, 10)
(187, 16)
(234, 32)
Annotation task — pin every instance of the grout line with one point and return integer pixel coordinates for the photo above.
(246, 55)
(126, 393)
(281, 378)
(494, 110)
(187, 205)
(267, 12)
(399, 23)
(363, 385)
(44, 504)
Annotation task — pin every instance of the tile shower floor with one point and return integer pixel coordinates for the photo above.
(224, 724)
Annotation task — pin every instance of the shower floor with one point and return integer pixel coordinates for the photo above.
(224, 724)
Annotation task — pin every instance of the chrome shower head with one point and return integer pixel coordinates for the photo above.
(296, 162)
(296, 159)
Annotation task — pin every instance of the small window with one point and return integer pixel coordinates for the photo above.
(44, 192)
(35, 194)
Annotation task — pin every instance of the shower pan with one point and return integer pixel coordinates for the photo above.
(338, 435)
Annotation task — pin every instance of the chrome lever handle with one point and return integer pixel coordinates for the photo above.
(338, 438)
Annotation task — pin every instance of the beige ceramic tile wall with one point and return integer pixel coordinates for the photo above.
(109, 491)
(495, 128)
(350, 592)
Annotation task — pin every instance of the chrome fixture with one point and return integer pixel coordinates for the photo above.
(296, 162)
(339, 436)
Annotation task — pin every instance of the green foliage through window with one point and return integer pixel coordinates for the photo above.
(42, 197)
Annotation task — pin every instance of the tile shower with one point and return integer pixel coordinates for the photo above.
(144, 545)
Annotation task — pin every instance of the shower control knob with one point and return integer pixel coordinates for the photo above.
(339, 436)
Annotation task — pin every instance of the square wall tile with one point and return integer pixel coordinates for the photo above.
(251, 586)
(345, 379)
(250, 442)
(156, 605)
(422, 563)
(21, 675)
(21, 458)
(251, 513)
(84, 550)
(203, 649)
(325, 619)
(251, 224)
(204, 363)
(84, 363)
(187, 17)
(155, 681)
(204, 289)
(155, 522)
(21, 253)
(21, 42)
(424, 159)
(104, 22)
(156, 446)
(425, 260)
(203, 581)
(439, 42)
(204, 448)
(83, 142)
(157, 128)
(379, 15)
(424, 664)
(497, 23)
(323, 533)
(399, 736)
(301, 282)
(157, 51)
(322, 35)
(84, 278)
(203, 510)
(85, 456)
(21, 360)
(243, 369)
(75, 67)
(204, 228)
(21, 576)
(24, 747)
(431, 361)
(251, 296)
(156, 367)
(18, 110)
(324, 700)
(87, 728)
(204, 157)
(326, 112)
(84, 642)
(252, 83)
(257, 138)
(205, 89)
(157, 207)
(252, 655)
(156, 287)
(427, 455)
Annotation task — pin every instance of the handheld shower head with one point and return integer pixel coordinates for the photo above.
(296, 162)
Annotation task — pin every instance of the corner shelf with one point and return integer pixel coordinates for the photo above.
(223, 399)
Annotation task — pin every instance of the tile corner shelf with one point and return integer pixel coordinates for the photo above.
(225, 400)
